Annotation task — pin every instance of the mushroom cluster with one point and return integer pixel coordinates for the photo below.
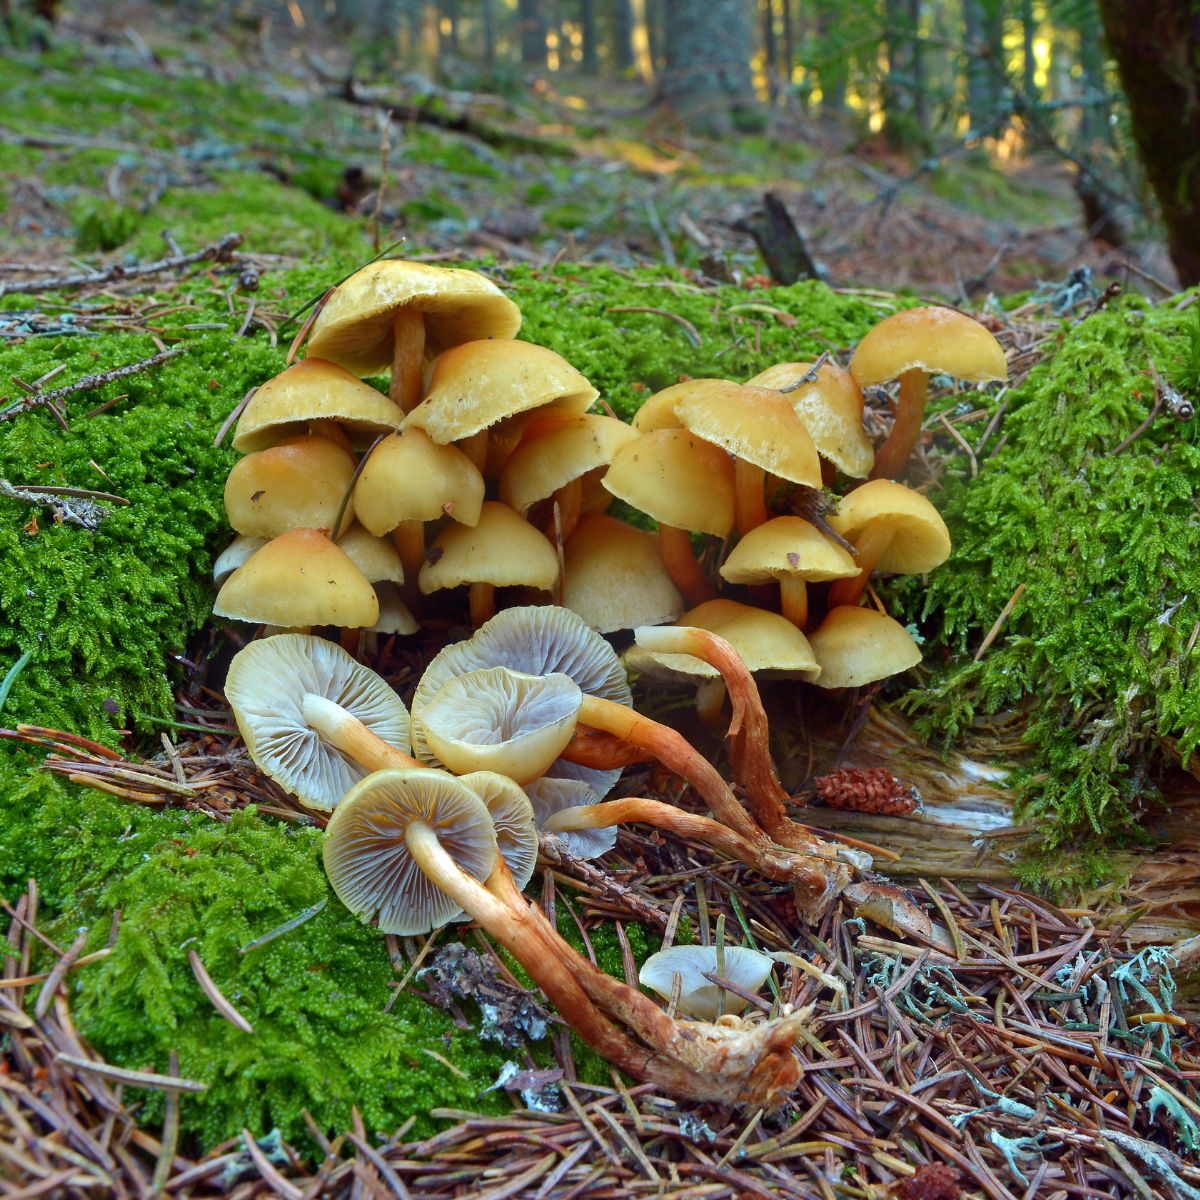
(436, 815)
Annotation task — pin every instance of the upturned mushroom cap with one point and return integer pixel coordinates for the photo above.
(298, 484)
(299, 579)
(552, 458)
(266, 686)
(757, 425)
(394, 615)
(549, 796)
(928, 339)
(920, 539)
(513, 819)
(500, 720)
(370, 867)
(787, 546)
(831, 408)
(375, 557)
(410, 478)
(502, 549)
(234, 555)
(476, 385)
(677, 478)
(765, 641)
(698, 996)
(310, 391)
(859, 645)
(355, 325)
(535, 640)
(614, 577)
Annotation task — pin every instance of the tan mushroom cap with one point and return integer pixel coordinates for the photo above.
(614, 577)
(765, 641)
(677, 478)
(266, 686)
(410, 478)
(312, 390)
(299, 579)
(658, 411)
(499, 720)
(394, 615)
(787, 546)
(375, 557)
(859, 645)
(699, 997)
(354, 328)
(756, 425)
(920, 539)
(551, 459)
(367, 859)
(513, 818)
(502, 549)
(831, 408)
(928, 339)
(299, 484)
(479, 384)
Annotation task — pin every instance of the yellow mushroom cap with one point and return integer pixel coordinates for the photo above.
(658, 411)
(614, 577)
(920, 539)
(366, 854)
(408, 477)
(394, 614)
(298, 484)
(677, 478)
(375, 557)
(766, 642)
(354, 328)
(479, 384)
(299, 579)
(859, 645)
(787, 546)
(502, 549)
(758, 426)
(928, 339)
(554, 457)
(312, 390)
(831, 408)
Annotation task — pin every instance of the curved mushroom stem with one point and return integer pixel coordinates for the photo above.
(675, 546)
(590, 748)
(755, 1068)
(569, 499)
(345, 732)
(793, 599)
(749, 502)
(409, 539)
(774, 862)
(482, 599)
(710, 700)
(408, 357)
(906, 428)
(873, 543)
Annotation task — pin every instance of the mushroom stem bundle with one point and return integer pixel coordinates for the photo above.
(774, 862)
(906, 428)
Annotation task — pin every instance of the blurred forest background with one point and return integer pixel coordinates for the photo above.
(1007, 139)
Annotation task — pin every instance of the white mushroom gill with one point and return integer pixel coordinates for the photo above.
(549, 796)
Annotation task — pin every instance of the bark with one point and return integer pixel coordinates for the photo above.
(487, 11)
(770, 53)
(587, 27)
(622, 26)
(1156, 48)
(898, 94)
(834, 69)
(706, 78)
(788, 49)
(531, 23)
(1028, 63)
(983, 30)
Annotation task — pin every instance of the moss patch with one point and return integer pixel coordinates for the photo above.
(1101, 649)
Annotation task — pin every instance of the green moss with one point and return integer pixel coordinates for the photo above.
(1100, 650)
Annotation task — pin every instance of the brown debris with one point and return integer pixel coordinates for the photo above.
(870, 789)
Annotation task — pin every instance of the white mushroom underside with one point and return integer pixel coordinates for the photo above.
(698, 996)
(549, 796)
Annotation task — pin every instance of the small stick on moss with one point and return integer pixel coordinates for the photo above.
(220, 251)
(141, 1079)
(219, 1002)
(88, 383)
(690, 331)
(1005, 613)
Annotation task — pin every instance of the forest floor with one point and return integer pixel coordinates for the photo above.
(1013, 1056)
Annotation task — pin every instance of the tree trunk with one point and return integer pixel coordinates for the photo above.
(979, 93)
(1094, 125)
(1028, 62)
(788, 50)
(834, 69)
(488, 13)
(622, 26)
(587, 29)
(898, 125)
(706, 78)
(1156, 48)
(770, 54)
(531, 23)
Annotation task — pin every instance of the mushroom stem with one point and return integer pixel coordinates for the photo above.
(873, 543)
(482, 599)
(710, 700)
(762, 1074)
(475, 448)
(408, 357)
(569, 499)
(749, 502)
(793, 599)
(906, 428)
(590, 748)
(679, 558)
(774, 862)
(409, 539)
(345, 732)
(675, 752)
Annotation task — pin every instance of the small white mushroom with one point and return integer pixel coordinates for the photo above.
(700, 997)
